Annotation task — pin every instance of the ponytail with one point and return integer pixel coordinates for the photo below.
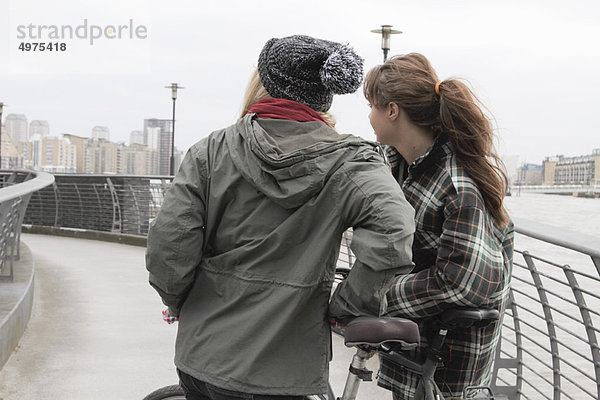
(470, 132)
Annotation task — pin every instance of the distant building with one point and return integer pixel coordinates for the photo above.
(136, 137)
(131, 160)
(511, 162)
(101, 132)
(148, 153)
(40, 128)
(16, 127)
(11, 157)
(80, 144)
(58, 155)
(152, 141)
(137, 159)
(37, 153)
(101, 157)
(549, 170)
(25, 151)
(157, 135)
(529, 174)
(579, 170)
(152, 137)
(50, 154)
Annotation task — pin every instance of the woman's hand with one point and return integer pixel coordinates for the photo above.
(168, 318)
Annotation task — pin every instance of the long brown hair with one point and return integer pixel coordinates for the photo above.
(410, 81)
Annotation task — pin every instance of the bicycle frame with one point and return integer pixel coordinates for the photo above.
(370, 344)
(357, 372)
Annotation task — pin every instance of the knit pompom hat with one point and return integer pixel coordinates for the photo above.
(308, 70)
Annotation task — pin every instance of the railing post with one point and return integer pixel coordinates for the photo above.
(14, 198)
(9, 218)
(11, 178)
(98, 204)
(549, 323)
(80, 201)
(596, 261)
(515, 362)
(348, 239)
(587, 322)
(57, 205)
(136, 207)
(117, 218)
(21, 212)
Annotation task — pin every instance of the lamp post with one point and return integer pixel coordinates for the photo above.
(386, 31)
(173, 88)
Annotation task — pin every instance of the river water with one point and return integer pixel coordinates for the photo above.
(573, 213)
(562, 318)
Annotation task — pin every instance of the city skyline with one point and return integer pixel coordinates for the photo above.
(44, 124)
(148, 151)
(529, 63)
(135, 132)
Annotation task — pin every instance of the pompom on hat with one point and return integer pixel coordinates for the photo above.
(308, 70)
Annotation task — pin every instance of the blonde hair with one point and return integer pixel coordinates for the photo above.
(256, 91)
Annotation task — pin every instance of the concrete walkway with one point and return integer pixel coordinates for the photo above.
(16, 300)
(96, 330)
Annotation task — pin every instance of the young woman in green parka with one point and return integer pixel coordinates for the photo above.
(244, 249)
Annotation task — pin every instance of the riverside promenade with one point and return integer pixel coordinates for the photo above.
(96, 330)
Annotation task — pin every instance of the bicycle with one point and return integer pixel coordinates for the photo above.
(372, 335)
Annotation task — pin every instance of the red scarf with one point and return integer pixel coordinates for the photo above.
(272, 108)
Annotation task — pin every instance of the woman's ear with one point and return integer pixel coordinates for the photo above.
(393, 111)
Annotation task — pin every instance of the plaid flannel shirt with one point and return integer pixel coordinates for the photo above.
(462, 259)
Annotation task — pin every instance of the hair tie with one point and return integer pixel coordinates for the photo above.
(437, 88)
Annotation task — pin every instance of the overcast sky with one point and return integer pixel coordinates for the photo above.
(534, 64)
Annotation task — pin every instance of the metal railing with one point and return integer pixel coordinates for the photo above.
(549, 347)
(16, 189)
(107, 203)
(592, 190)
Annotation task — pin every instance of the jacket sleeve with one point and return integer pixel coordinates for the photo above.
(383, 225)
(176, 235)
(469, 270)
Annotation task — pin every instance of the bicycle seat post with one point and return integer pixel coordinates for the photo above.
(368, 334)
(358, 372)
(454, 318)
(434, 358)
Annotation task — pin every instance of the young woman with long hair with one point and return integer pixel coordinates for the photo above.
(440, 146)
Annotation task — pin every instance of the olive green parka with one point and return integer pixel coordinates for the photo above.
(245, 245)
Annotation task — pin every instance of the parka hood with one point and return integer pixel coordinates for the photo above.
(290, 161)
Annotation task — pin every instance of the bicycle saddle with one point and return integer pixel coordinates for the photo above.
(374, 331)
(465, 317)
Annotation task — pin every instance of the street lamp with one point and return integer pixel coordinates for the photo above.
(386, 32)
(173, 88)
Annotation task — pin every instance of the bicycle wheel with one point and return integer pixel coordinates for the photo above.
(173, 392)
(326, 396)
